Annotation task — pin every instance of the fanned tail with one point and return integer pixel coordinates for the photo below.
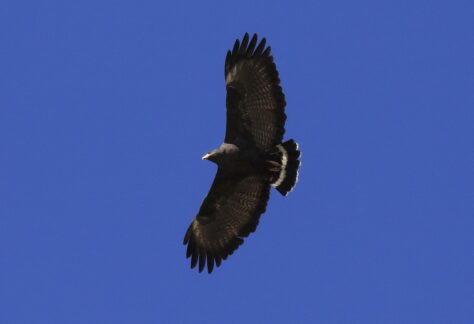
(284, 166)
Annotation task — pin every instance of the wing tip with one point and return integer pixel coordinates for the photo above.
(246, 48)
(210, 258)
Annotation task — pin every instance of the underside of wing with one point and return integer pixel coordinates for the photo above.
(255, 101)
(230, 212)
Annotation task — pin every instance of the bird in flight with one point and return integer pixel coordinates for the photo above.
(251, 160)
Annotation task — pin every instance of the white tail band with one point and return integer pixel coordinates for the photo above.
(284, 161)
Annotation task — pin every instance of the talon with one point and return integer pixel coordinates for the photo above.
(274, 163)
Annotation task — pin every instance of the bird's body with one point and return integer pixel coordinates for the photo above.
(251, 160)
(239, 160)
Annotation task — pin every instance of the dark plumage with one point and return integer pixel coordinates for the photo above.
(252, 158)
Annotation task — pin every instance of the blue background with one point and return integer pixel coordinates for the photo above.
(106, 108)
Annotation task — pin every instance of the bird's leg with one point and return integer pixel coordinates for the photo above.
(276, 166)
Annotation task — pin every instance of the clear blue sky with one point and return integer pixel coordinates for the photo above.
(106, 108)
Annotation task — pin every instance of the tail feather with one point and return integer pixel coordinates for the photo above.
(286, 155)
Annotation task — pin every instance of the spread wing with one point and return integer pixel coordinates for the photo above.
(255, 101)
(230, 211)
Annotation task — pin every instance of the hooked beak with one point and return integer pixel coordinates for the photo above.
(205, 157)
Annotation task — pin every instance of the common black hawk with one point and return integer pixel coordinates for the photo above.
(251, 159)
